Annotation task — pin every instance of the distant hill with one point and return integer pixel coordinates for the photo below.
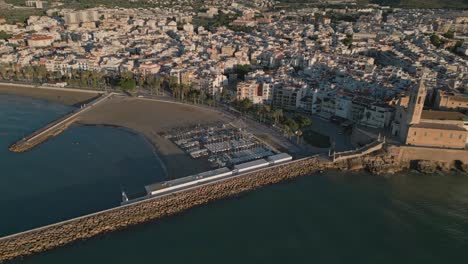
(458, 4)
(462, 4)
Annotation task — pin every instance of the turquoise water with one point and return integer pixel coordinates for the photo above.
(333, 218)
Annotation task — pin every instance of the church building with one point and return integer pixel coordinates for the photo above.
(418, 127)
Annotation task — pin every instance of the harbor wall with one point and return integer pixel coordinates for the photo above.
(391, 159)
(49, 237)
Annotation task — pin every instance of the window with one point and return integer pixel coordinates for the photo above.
(451, 135)
(441, 134)
(419, 100)
(425, 134)
(415, 133)
(460, 136)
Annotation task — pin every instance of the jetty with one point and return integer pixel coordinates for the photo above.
(62, 233)
(377, 157)
(56, 127)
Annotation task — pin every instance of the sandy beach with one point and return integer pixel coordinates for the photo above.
(60, 95)
(151, 118)
(147, 117)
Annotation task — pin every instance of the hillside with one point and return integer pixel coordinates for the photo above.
(458, 4)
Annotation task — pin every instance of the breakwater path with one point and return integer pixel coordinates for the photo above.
(59, 234)
(54, 128)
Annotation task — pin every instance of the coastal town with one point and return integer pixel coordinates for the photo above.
(396, 72)
(234, 95)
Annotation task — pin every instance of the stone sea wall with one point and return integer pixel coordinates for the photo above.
(49, 237)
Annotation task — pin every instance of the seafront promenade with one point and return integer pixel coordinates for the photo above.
(56, 127)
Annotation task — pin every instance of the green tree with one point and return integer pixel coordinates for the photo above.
(348, 40)
(245, 105)
(449, 34)
(242, 70)
(293, 126)
(302, 121)
(4, 35)
(277, 115)
(436, 41)
(127, 84)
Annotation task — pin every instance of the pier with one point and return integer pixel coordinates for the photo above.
(56, 127)
(56, 235)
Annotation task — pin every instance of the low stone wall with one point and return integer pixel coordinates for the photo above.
(363, 151)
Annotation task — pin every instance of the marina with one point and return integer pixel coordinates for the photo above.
(221, 144)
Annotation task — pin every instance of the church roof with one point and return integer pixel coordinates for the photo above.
(442, 115)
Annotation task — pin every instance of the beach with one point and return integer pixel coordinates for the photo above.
(64, 96)
(151, 118)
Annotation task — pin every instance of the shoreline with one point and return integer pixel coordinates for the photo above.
(122, 112)
(66, 96)
(149, 119)
(154, 147)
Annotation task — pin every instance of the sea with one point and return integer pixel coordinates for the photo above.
(326, 218)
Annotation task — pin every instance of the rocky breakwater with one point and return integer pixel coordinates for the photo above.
(49, 237)
(35, 140)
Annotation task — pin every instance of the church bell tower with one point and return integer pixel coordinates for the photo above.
(416, 103)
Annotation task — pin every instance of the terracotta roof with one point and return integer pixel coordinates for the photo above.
(439, 126)
(41, 37)
(442, 115)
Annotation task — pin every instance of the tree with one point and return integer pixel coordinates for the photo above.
(449, 34)
(264, 111)
(302, 121)
(348, 40)
(184, 90)
(4, 35)
(154, 84)
(245, 105)
(436, 41)
(242, 70)
(277, 115)
(293, 126)
(127, 84)
(194, 96)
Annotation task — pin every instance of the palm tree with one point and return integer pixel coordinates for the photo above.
(184, 89)
(3, 72)
(277, 115)
(28, 73)
(265, 111)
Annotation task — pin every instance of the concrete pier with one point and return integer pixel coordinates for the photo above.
(55, 128)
